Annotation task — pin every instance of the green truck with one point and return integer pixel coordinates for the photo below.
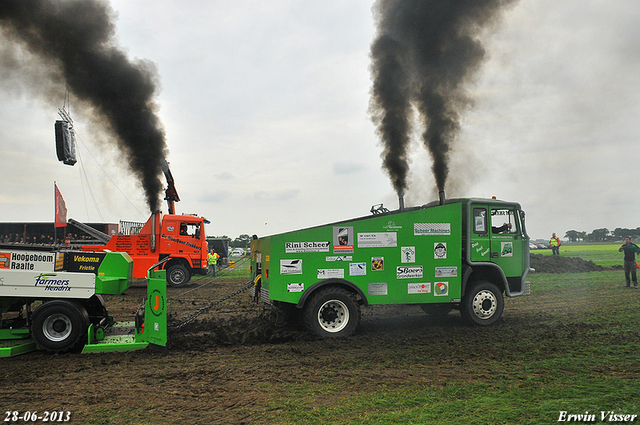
(53, 301)
(450, 254)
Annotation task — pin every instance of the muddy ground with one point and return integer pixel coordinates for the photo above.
(228, 366)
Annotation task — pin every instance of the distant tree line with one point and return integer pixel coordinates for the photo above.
(242, 241)
(602, 235)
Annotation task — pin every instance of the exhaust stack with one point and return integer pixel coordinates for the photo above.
(441, 195)
(401, 203)
(155, 227)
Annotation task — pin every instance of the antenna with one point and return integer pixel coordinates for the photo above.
(65, 116)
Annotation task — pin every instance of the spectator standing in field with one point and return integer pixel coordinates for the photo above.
(555, 244)
(630, 265)
(212, 260)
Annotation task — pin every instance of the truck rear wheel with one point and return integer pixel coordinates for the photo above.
(178, 275)
(332, 313)
(59, 325)
(483, 304)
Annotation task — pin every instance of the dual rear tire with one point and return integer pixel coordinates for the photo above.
(332, 312)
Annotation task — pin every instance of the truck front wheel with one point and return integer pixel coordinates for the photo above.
(332, 313)
(59, 325)
(483, 304)
(177, 275)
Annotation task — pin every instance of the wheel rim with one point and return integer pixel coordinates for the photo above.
(177, 277)
(484, 304)
(57, 327)
(333, 316)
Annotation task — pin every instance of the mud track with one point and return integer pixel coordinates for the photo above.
(227, 365)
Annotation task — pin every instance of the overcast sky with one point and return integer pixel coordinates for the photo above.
(265, 110)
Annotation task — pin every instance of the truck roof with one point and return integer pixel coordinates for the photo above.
(463, 201)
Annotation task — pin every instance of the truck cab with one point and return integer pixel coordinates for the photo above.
(183, 239)
(179, 237)
(497, 245)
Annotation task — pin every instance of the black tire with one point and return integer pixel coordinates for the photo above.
(482, 304)
(332, 312)
(178, 275)
(436, 310)
(59, 325)
(96, 308)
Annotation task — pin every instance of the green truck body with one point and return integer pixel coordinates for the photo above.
(462, 253)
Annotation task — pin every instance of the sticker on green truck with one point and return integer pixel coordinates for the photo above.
(419, 288)
(290, 266)
(441, 289)
(378, 240)
(408, 254)
(296, 247)
(409, 272)
(377, 264)
(439, 229)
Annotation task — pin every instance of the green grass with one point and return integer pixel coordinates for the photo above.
(573, 345)
(603, 254)
(240, 269)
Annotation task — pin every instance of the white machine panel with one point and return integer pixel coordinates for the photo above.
(27, 260)
(45, 284)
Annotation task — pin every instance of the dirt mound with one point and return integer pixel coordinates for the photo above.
(231, 330)
(560, 264)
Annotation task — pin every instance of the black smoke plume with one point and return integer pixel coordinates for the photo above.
(424, 53)
(77, 38)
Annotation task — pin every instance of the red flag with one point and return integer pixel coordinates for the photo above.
(61, 208)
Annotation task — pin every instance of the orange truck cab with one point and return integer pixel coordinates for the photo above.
(179, 237)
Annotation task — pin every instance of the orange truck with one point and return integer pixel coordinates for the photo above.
(179, 237)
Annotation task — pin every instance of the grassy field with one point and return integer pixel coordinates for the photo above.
(240, 269)
(573, 345)
(603, 254)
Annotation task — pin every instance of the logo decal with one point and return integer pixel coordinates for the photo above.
(357, 269)
(408, 272)
(440, 250)
(439, 229)
(290, 266)
(377, 264)
(441, 289)
(408, 254)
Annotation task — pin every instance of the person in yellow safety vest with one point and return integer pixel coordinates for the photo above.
(212, 261)
(555, 244)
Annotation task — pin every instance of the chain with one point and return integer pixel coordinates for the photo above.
(192, 316)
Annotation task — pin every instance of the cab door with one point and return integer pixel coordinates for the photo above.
(507, 240)
(480, 246)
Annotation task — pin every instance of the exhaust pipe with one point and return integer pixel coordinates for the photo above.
(155, 227)
(441, 195)
(401, 203)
